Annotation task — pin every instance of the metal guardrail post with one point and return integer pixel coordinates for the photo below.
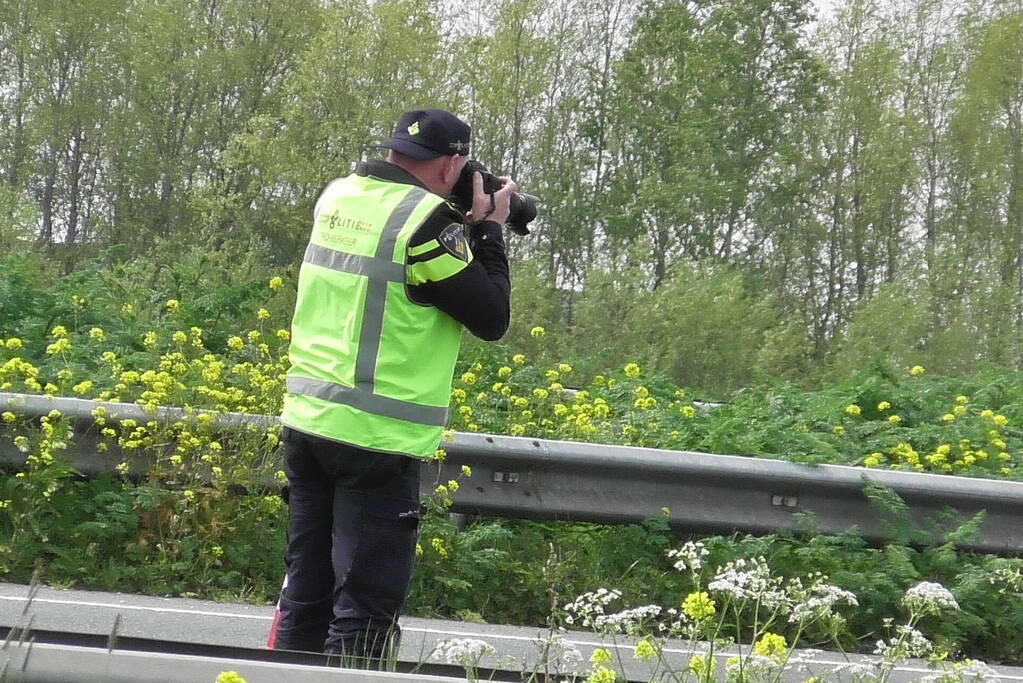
(520, 477)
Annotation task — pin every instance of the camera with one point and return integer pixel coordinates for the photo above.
(522, 208)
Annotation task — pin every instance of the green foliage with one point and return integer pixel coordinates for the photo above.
(194, 522)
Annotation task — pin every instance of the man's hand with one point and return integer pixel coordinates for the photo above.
(486, 207)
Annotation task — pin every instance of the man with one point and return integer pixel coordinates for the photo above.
(391, 275)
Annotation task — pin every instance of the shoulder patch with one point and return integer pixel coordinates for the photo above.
(452, 238)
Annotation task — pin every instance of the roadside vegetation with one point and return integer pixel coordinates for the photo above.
(205, 518)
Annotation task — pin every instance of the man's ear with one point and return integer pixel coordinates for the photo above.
(448, 170)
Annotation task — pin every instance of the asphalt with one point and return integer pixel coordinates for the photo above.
(175, 622)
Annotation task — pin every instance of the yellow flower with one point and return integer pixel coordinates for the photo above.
(698, 605)
(179, 337)
(838, 430)
(8, 417)
(943, 449)
(600, 657)
(466, 470)
(263, 314)
(552, 375)
(645, 650)
(504, 371)
(438, 546)
(702, 666)
(917, 370)
(962, 400)
(599, 381)
(959, 410)
(948, 417)
(283, 335)
(771, 645)
(688, 412)
(82, 387)
(518, 359)
(13, 344)
(564, 368)
(235, 343)
(1000, 420)
(62, 344)
(59, 332)
(440, 454)
(632, 371)
(537, 332)
(852, 409)
(602, 675)
(894, 419)
(540, 393)
(419, 550)
(469, 378)
(97, 334)
(883, 406)
(229, 676)
(276, 282)
(172, 305)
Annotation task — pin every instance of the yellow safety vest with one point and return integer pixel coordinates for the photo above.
(370, 367)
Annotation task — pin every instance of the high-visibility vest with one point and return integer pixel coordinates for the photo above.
(369, 367)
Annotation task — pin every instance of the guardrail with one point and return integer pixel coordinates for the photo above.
(519, 477)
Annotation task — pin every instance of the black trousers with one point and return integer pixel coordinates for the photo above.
(354, 518)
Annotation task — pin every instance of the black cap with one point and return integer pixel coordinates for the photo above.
(428, 134)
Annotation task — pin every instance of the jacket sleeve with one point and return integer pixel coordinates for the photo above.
(461, 270)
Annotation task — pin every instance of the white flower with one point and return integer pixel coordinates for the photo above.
(1010, 578)
(907, 643)
(689, 556)
(927, 596)
(818, 601)
(748, 579)
(564, 657)
(861, 671)
(754, 667)
(463, 651)
(626, 620)
(967, 671)
(589, 606)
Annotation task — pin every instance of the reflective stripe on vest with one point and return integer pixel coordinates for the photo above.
(368, 401)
